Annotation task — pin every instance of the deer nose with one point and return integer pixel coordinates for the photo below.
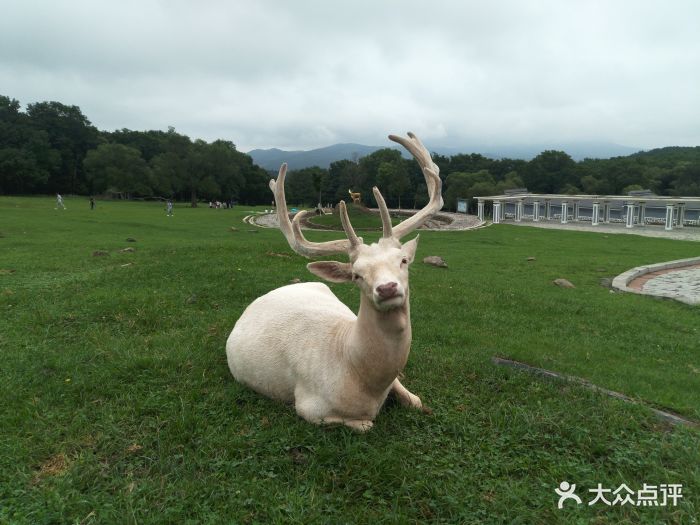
(387, 291)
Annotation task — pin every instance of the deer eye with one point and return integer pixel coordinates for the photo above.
(404, 260)
(356, 277)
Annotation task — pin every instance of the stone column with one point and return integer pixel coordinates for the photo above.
(629, 222)
(480, 209)
(564, 212)
(496, 212)
(642, 213)
(681, 214)
(548, 209)
(577, 206)
(519, 210)
(536, 211)
(503, 211)
(596, 213)
(669, 217)
(606, 212)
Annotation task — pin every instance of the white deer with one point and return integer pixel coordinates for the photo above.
(301, 344)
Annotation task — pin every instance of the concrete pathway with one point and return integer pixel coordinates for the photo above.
(681, 283)
(688, 233)
(679, 280)
(449, 222)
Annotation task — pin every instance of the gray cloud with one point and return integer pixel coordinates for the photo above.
(310, 73)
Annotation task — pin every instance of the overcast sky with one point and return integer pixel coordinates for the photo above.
(303, 74)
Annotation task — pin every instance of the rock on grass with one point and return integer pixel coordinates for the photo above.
(435, 260)
(563, 283)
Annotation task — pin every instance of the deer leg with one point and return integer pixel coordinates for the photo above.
(404, 396)
(314, 410)
(359, 425)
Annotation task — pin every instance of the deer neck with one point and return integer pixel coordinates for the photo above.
(379, 343)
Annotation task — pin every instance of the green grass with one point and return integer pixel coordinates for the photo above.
(117, 405)
(359, 218)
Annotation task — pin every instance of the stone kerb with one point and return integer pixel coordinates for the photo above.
(622, 281)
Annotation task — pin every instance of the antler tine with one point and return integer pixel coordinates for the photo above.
(292, 230)
(349, 231)
(387, 231)
(415, 147)
(431, 172)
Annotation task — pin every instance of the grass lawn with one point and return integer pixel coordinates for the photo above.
(117, 406)
(360, 220)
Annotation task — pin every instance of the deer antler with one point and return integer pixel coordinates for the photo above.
(297, 241)
(292, 229)
(387, 230)
(431, 172)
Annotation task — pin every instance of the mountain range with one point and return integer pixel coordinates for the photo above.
(271, 159)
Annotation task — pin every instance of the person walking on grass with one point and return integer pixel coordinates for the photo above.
(59, 202)
(169, 208)
(92, 203)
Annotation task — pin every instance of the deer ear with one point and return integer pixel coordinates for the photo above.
(409, 248)
(332, 271)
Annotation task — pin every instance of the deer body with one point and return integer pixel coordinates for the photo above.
(355, 196)
(272, 352)
(316, 355)
(301, 344)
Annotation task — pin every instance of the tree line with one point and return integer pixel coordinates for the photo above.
(667, 171)
(52, 147)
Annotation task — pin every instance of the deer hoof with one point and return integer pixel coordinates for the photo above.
(359, 425)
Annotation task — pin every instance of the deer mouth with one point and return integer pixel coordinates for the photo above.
(393, 301)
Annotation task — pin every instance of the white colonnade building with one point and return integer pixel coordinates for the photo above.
(633, 210)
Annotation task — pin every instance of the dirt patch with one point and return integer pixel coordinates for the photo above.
(56, 465)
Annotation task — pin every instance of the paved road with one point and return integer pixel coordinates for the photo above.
(683, 283)
(460, 221)
(688, 233)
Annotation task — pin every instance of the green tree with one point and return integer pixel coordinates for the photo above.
(549, 172)
(168, 171)
(26, 157)
(72, 135)
(458, 186)
(392, 178)
(469, 185)
(469, 163)
(303, 186)
(686, 179)
(368, 173)
(256, 189)
(344, 175)
(214, 171)
(511, 181)
(117, 168)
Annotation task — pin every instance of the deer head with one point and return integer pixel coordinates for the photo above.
(379, 269)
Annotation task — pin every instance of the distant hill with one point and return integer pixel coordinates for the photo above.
(271, 159)
(577, 150)
(672, 153)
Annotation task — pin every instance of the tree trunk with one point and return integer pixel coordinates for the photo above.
(194, 199)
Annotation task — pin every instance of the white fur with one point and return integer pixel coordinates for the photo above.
(300, 344)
